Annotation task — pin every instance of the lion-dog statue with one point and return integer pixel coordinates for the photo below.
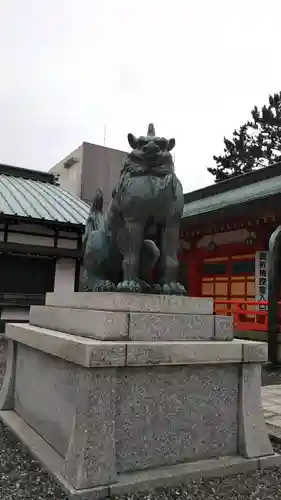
(118, 253)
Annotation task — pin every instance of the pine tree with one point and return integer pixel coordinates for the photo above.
(257, 143)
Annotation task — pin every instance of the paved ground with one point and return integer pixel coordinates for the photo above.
(271, 401)
(269, 376)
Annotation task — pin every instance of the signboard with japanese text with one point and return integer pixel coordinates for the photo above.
(261, 272)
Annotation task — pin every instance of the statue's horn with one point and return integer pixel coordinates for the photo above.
(151, 130)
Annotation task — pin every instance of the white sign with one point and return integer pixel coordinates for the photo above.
(261, 272)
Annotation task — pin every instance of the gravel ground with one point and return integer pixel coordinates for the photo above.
(22, 478)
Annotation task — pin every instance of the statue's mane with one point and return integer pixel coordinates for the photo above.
(139, 164)
(132, 168)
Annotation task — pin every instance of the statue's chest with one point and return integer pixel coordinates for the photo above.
(147, 195)
(149, 187)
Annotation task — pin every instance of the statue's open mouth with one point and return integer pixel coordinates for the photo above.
(151, 157)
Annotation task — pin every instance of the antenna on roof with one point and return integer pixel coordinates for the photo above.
(104, 134)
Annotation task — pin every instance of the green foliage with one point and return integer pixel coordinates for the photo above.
(255, 145)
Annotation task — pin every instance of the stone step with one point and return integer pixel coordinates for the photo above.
(129, 302)
(134, 326)
(97, 353)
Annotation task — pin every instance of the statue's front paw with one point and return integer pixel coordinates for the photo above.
(173, 288)
(104, 286)
(156, 289)
(129, 287)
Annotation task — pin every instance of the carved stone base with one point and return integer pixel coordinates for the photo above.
(113, 416)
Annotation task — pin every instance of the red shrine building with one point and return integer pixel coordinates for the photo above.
(225, 229)
(225, 234)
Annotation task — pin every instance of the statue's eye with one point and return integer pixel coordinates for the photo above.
(141, 143)
(162, 144)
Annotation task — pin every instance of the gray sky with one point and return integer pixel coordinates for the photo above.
(193, 67)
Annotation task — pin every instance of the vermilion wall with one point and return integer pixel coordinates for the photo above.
(194, 261)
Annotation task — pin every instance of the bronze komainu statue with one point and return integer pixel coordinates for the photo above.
(118, 253)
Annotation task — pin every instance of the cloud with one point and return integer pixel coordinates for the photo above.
(193, 67)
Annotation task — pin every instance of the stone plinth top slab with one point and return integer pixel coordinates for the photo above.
(95, 353)
(80, 350)
(120, 325)
(129, 302)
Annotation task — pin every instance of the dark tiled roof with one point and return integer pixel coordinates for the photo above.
(23, 197)
(258, 190)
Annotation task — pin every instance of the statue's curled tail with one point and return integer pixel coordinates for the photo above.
(95, 221)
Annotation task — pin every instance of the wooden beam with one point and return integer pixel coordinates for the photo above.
(38, 250)
(5, 232)
(63, 226)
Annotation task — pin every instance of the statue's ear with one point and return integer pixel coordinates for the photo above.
(171, 144)
(132, 141)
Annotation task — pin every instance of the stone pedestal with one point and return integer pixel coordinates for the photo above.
(116, 392)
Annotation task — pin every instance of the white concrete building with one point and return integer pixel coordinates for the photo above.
(90, 167)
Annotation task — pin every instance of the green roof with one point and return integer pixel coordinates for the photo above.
(251, 192)
(35, 199)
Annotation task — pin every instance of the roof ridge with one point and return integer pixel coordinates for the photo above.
(240, 194)
(31, 198)
(40, 175)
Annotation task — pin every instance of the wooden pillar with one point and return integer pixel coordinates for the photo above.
(193, 270)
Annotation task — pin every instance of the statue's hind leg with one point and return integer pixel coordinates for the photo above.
(169, 260)
(149, 256)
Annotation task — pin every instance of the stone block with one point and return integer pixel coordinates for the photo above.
(48, 457)
(45, 394)
(106, 354)
(267, 415)
(129, 302)
(272, 389)
(165, 415)
(101, 325)
(170, 327)
(116, 325)
(74, 411)
(271, 408)
(279, 352)
(79, 350)
(223, 327)
(267, 462)
(181, 474)
(253, 436)
(183, 353)
(139, 481)
(90, 459)
(138, 411)
(273, 431)
(275, 419)
(255, 352)
(8, 387)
